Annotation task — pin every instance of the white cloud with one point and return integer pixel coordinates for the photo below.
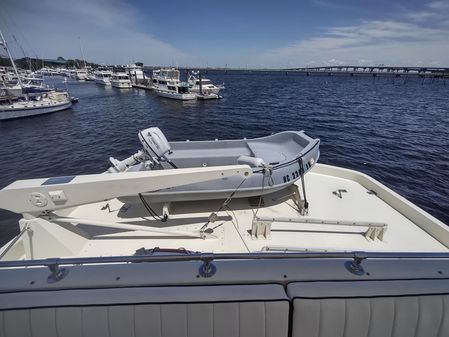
(421, 15)
(405, 41)
(439, 5)
(114, 31)
(109, 31)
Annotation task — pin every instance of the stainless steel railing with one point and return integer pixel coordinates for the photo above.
(221, 256)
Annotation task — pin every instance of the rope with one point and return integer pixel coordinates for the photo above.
(153, 214)
(302, 173)
(223, 205)
(263, 187)
(290, 162)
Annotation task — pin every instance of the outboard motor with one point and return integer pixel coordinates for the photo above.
(155, 144)
(155, 148)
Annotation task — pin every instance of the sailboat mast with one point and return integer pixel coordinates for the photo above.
(82, 52)
(3, 43)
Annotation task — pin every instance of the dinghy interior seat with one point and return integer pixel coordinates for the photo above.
(278, 148)
(271, 153)
(204, 153)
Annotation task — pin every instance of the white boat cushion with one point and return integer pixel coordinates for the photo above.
(227, 311)
(251, 161)
(374, 309)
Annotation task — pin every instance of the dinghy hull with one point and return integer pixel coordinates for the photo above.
(277, 161)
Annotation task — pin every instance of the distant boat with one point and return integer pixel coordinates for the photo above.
(121, 81)
(135, 73)
(167, 84)
(103, 77)
(202, 85)
(43, 104)
(80, 74)
(33, 100)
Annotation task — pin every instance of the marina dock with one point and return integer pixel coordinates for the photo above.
(142, 86)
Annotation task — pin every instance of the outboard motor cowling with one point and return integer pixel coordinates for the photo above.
(154, 143)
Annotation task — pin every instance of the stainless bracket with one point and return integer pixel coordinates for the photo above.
(300, 203)
(57, 274)
(166, 211)
(261, 229)
(338, 193)
(207, 269)
(355, 266)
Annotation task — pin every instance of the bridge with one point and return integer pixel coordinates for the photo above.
(381, 70)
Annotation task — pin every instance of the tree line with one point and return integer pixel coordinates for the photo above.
(36, 64)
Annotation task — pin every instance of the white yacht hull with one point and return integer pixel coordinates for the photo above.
(174, 95)
(326, 273)
(209, 96)
(102, 81)
(121, 85)
(206, 90)
(32, 109)
(256, 298)
(14, 91)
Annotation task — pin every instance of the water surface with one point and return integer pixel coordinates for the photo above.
(393, 129)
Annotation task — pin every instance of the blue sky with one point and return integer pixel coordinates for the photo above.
(233, 33)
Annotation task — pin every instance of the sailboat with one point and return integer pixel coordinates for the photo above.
(27, 105)
(83, 74)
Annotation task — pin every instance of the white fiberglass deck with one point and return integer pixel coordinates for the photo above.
(232, 231)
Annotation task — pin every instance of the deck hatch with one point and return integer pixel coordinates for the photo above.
(58, 180)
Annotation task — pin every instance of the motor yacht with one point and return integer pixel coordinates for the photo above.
(121, 80)
(80, 74)
(135, 73)
(337, 253)
(166, 83)
(201, 85)
(103, 77)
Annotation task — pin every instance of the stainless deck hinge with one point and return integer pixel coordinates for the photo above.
(355, 266)
(338, 193)
(57, 273)
(207, 269)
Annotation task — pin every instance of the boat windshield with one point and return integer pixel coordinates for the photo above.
(203, 82)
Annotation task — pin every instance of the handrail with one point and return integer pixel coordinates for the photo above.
(13, 241)
(207, 257)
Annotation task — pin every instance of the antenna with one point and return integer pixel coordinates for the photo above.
(82, 52)
(3, 43)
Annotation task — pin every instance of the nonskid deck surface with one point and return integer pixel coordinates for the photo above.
(231, 232)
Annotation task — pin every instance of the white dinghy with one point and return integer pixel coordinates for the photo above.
(277, 161)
